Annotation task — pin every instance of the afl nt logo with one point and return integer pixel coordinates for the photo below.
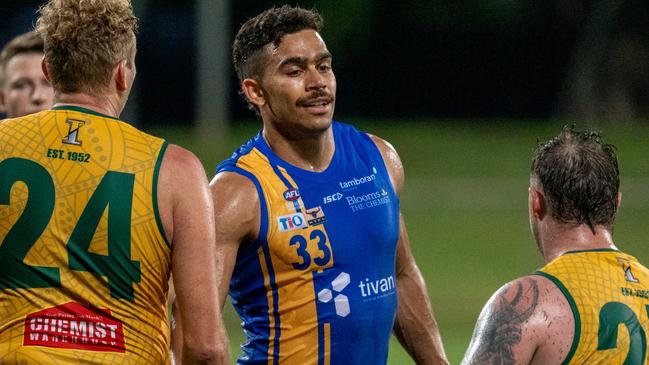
(73, 132)
(628, 274)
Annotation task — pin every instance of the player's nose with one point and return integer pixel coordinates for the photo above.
(315, 79)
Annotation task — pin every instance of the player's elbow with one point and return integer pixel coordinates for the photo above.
(198, 352)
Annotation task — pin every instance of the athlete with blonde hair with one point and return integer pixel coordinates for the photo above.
(95, 215)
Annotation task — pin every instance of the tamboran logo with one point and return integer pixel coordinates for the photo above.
(291, 222)
(350, 184)
(332, 198)
(73, 132)
(291, 194)
(74, 326)
(340, 301)
(315, 216)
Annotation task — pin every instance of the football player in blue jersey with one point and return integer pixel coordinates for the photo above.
(315, 251)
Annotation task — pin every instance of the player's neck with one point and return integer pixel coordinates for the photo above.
(102, 104)
(557, 241)
(313, 153)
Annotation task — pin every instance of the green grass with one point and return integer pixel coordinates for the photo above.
(465, 204)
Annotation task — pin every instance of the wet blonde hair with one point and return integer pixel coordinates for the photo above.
(84, 41)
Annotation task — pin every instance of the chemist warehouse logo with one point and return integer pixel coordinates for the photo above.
(74, 326)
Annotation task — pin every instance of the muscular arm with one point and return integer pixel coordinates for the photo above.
(516, 323)
(187, 217)
(236, 211)
(415, 325)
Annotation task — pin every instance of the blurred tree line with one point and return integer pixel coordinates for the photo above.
(584, 59)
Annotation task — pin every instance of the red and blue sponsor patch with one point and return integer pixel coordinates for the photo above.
(75, 326)
(292, 194)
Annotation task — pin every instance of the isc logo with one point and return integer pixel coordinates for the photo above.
(291, 194)
(291, 222)
(332, 198)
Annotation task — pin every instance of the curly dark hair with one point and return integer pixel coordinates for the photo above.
(580, 177)
(268, 27)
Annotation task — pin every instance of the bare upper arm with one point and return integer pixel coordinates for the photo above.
(527, 321)
(237, 216)
(392, 162)
(405, 261)
(187, 215)
(182, 185)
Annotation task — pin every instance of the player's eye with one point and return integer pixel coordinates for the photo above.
(324, 67)
(294, 72)
(19, 85)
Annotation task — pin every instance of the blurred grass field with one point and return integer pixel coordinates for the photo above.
(465, 205)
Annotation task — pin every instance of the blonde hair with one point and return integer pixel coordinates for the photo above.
(84, 40)
(29, 42)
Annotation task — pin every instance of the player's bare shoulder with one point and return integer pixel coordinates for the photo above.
(178, 157)
(392, 161)
(181, 183)
(180, 170)
(527, 321)
(236, 200)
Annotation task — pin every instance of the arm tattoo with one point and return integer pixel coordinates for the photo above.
(503, 329)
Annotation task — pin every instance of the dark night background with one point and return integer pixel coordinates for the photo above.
(464, 59)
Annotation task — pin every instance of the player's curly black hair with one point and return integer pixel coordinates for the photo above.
(580, 177)
(268, 27)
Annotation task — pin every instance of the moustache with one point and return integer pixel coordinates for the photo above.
(317, 94)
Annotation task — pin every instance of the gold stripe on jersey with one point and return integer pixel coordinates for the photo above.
(327, 344)
(603, 286)
(88, 157)
(295, 290)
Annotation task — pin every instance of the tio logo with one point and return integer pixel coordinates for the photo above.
(341, 301)
(291, 222)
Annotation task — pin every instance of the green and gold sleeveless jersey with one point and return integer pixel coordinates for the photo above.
(83, 261)
(608, 292)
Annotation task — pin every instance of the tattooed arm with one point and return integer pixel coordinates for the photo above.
(516, 323)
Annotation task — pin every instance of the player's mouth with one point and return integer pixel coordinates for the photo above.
(319, 105)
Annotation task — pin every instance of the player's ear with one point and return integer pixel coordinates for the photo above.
(3, 109)
(46, 72)
(119, 75)
(253, 92)
(618, 200)
(538, 205)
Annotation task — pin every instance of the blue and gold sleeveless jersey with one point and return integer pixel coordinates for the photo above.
(608, 292)
(318, 286)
